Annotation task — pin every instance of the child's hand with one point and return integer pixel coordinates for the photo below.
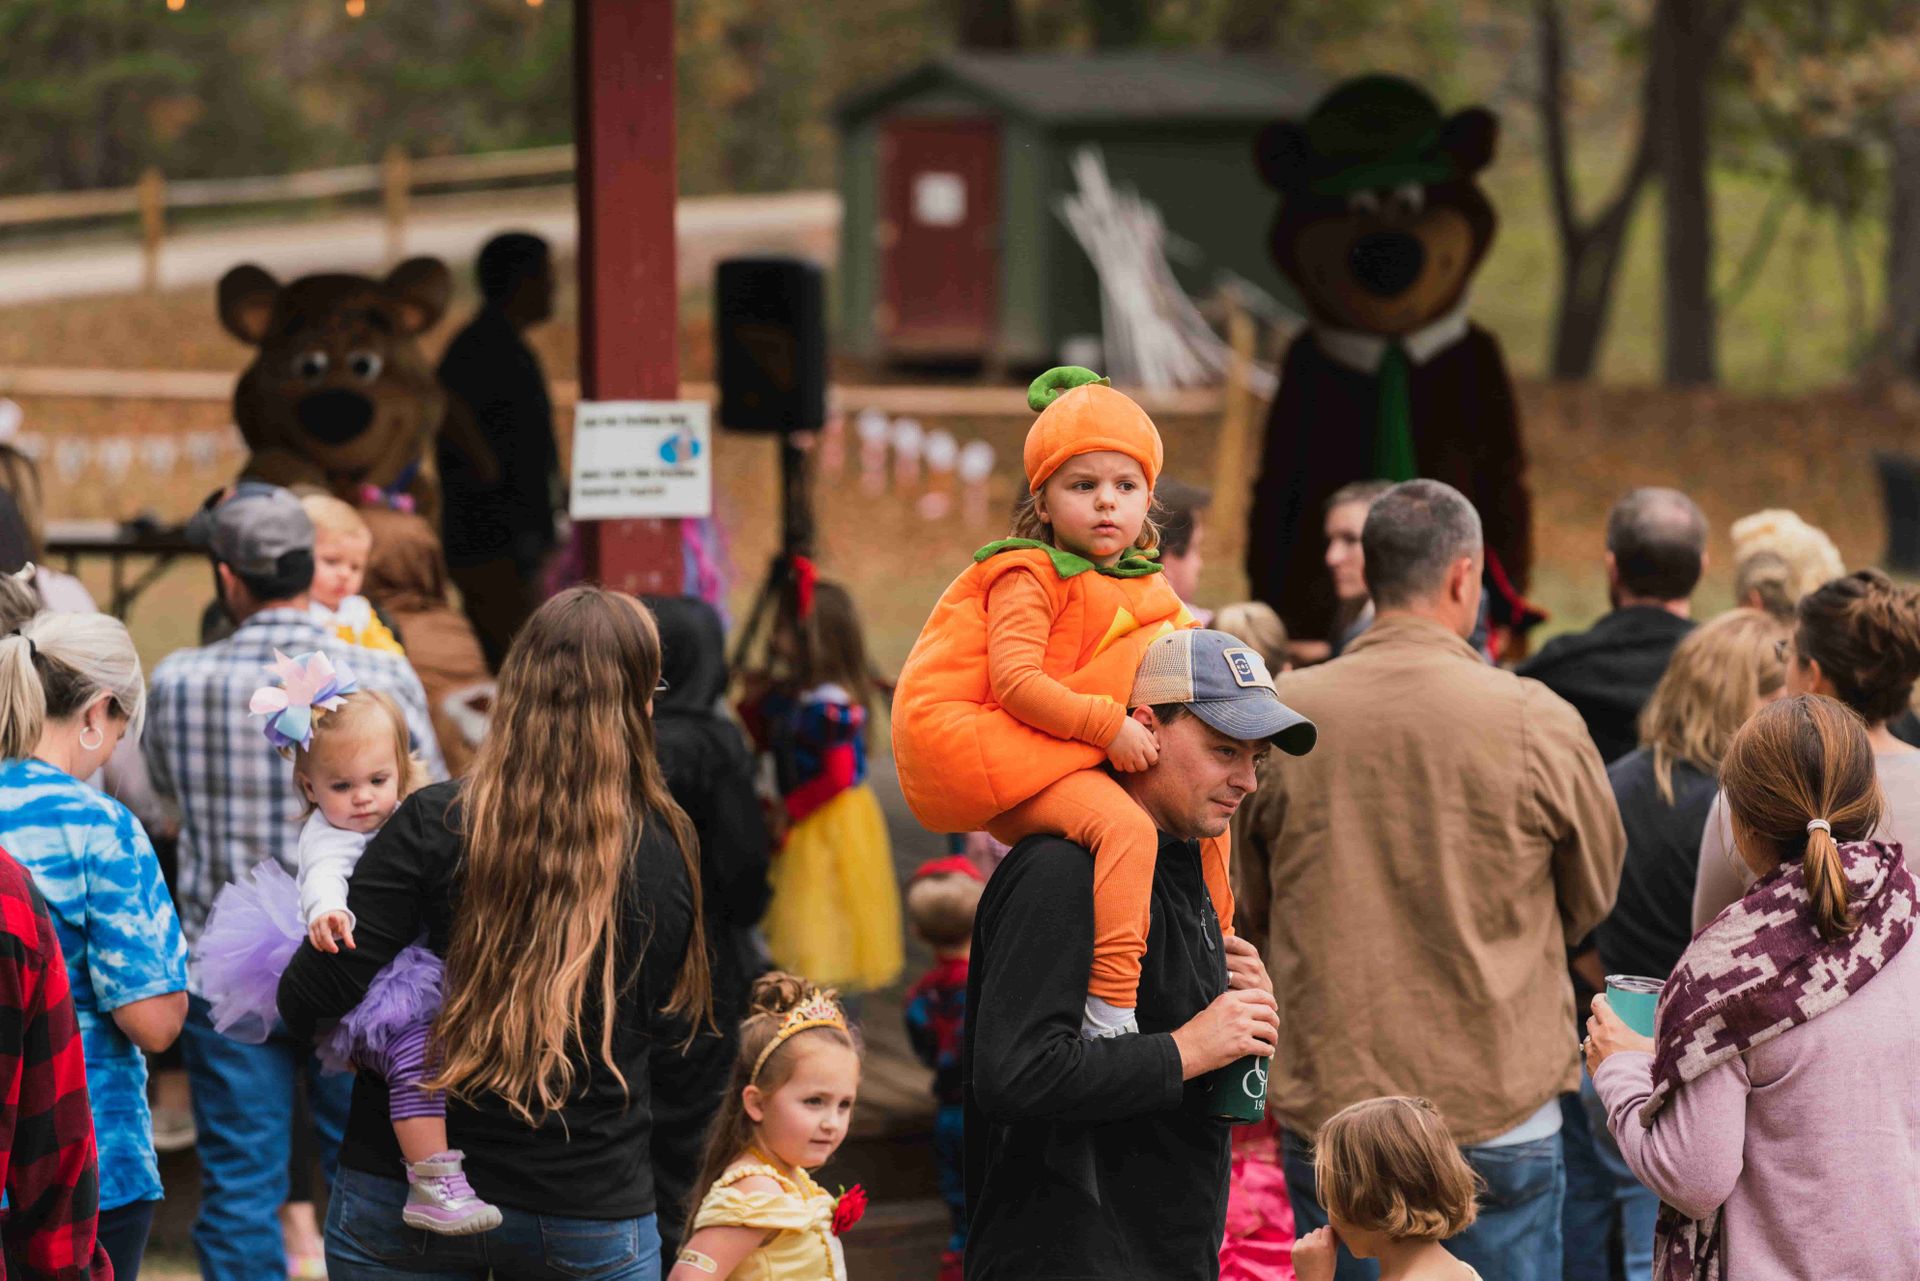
(329, 926)
(1315, 1254)
(1134, 748)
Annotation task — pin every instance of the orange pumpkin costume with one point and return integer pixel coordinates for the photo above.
(1019, 682)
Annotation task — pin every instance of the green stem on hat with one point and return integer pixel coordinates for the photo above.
(1049, 387)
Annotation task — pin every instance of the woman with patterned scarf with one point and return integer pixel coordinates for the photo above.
(1774, 1110)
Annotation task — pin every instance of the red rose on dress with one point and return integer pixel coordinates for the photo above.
(847, 1210)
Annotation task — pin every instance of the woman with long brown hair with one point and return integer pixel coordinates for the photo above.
(559, 882)
(1773, 1109)
(1857, 640)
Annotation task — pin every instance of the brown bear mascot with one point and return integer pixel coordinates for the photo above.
(340, 397)
(1381, 226)
(340, 394)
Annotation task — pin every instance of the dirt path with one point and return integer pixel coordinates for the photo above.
(709, 227)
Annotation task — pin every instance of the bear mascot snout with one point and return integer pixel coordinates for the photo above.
(1382, 224)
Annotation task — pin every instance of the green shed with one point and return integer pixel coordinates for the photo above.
(949, 241)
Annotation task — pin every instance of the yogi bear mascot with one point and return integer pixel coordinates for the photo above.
(1381, 226)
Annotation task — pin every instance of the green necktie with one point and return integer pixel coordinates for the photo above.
(1393, 430)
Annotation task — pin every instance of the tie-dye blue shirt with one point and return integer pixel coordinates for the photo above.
(95, 867)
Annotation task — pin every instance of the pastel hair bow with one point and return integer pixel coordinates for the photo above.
(307, 687)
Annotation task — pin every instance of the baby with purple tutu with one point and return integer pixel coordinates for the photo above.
(353, 765)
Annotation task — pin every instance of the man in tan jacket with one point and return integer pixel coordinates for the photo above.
(1414, 882)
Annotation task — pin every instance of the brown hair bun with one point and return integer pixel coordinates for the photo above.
(776, 992)
(1864, 631)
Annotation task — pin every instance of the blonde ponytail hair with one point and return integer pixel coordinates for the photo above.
(54, 665)
(1800, 781)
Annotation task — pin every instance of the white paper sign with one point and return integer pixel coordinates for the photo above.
(939, 199)
(641, 458)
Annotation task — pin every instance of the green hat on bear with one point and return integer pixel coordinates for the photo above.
(1374, 132)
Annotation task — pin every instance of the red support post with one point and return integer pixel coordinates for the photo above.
(629, 296)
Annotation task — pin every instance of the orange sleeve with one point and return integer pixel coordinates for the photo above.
(1019, 619)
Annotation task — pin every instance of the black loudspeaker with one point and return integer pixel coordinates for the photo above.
(771, 336)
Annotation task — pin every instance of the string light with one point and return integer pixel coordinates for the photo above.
(535, 4)
(356, 7)
(176, 5)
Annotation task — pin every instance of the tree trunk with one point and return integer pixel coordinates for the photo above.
(1118, 24)
(1590, 252)
(1588, 269)
(1687, 39)
(987, 24)
(1897, 349)
(1252, 26)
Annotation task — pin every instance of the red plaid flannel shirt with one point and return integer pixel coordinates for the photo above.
(47, 1159)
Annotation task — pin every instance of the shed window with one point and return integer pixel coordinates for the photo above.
(939, 199)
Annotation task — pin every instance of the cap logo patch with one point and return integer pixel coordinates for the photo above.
(1249, 672)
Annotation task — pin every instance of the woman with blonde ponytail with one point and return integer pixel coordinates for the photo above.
(1855, 640)
(559, 883)
(1778, 1084)
(71, 691)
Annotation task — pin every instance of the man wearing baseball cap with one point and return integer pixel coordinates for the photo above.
(237, 799)
(1101, 1157)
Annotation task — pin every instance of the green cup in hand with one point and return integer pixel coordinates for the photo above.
(1634, 998)
(1238, 1091)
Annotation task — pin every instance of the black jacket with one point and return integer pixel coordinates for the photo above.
(1088, 1159)
(710, 772)
(1652, 919)
(1608, 671)
(497, 378)
(589, 1160)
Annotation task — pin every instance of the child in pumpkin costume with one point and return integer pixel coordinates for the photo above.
(1015, 693)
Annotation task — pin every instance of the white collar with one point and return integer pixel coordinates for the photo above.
(1363, 351)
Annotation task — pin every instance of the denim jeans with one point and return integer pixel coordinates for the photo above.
(1601, 1191)
(242, 1098)
(366, 1241)
(1516, 1237)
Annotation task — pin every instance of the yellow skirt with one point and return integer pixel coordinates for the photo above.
(835, 915)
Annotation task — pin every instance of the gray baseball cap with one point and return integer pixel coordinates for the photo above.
(1223, 682)
(251, 528)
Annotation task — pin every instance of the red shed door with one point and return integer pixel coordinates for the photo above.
(939, 235)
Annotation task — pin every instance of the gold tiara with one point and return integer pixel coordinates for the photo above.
(818, 1010)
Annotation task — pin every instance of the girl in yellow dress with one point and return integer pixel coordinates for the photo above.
(760, 1217)
(835, 912)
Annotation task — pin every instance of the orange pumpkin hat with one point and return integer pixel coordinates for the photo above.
(1081, 414)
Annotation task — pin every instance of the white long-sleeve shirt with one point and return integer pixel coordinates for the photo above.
(327, 856)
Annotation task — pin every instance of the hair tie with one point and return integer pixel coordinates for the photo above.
(308, 688)
(818, 1010)
(33, 650)
(1819, 824)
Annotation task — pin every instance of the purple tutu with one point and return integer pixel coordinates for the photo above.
(251, 935)
(404, 994)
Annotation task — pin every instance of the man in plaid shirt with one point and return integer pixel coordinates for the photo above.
(47, 1161)
(238, 804)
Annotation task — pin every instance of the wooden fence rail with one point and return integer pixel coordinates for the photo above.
(394, 179)
(213, 386)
